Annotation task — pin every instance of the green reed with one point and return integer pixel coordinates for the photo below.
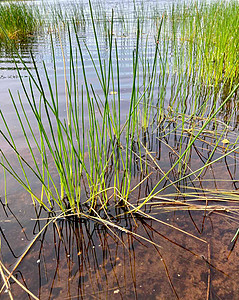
(65, 142)
(18, 20)
(87, 157)
(207, 34)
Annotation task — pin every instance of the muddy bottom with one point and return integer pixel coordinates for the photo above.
(190, 257)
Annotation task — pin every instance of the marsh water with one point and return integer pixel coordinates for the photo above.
(180, 253)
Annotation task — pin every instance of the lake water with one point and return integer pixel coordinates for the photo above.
(185, 252)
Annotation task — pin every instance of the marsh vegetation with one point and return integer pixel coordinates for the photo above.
(107, 150)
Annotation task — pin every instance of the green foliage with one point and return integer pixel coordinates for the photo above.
(18, 20)
(207, 35)
(87, 158)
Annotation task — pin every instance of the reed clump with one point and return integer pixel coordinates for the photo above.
(18, 20)
(207, 35)
(87, 159)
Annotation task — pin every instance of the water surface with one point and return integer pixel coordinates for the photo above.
(187, 254)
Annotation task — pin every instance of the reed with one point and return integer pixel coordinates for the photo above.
(101, 140)
(207, 35)
(18, 20)
(87, 159)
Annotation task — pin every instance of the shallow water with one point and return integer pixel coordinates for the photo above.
(186, 254)
(85, 260)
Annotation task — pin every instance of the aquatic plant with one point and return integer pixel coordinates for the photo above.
(116, 171)
(18, 20)
(207, 35)
(86, 159)
(102, 142)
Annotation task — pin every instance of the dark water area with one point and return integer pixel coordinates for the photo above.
(86, 260)
(184, 251)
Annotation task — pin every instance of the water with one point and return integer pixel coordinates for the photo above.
(186, 254)
(84, 260)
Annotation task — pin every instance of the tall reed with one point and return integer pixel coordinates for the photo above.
(18, 20)
(86, 159)
(207, 34)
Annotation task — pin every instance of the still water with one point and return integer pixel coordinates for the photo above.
(184, 253)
